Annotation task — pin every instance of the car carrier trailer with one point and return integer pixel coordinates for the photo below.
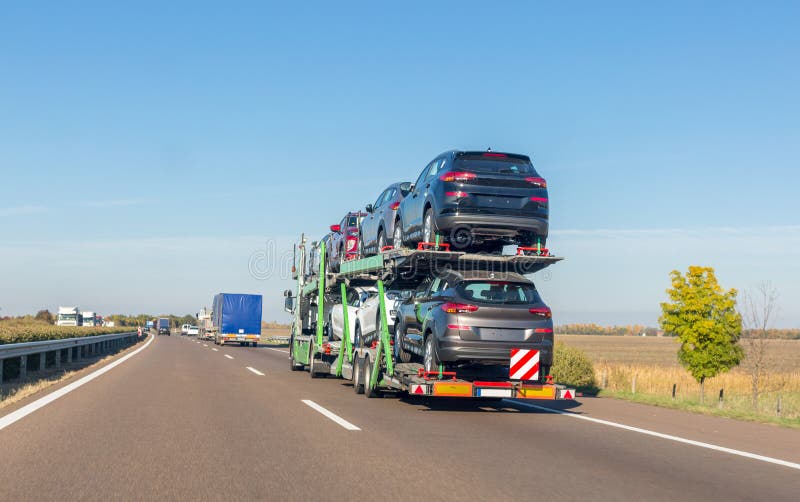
(372, 367)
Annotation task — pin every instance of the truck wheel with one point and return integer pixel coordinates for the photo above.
(358, 375)
(293, 364)
(400, 353)
(255, 344)
(431, 359)
(369, 390)
(313, 364)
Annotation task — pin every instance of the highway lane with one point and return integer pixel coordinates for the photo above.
(181, 421)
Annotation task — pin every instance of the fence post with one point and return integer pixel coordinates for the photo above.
(1, 372)
(23, 367)
(721, 397)
(78, 352)
(779, 405)
(605, 377)
(673, 390)
(42, 360)
(58, 358)
(633, 386)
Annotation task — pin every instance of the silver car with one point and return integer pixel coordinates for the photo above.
(377, 227)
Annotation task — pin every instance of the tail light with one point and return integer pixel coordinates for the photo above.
(394, 205)
(457, 176)
(458, 308)
(457, 194)
(540, 200)
(492, 154)
(543, 312)
(336, 228)
(351, 244)
(539, 182)
(460, 327)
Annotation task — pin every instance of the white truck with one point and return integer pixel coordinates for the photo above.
(89, 319)
(67, 316)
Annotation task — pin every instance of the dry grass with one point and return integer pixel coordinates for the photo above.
(653, 363)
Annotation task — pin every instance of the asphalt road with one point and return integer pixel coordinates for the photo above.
(182, 421)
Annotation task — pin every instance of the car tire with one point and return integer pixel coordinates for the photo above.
(397, 236)
(430, 358)
(358, 341)
(429, 230)
(400, 353)
(381, 240)
(358, 375)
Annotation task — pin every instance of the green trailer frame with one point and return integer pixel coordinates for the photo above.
(342, 360)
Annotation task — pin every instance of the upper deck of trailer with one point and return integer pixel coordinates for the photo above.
(399, 266)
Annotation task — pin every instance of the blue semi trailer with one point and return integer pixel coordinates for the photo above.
(237, 318)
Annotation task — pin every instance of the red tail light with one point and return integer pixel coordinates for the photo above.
(394, 205)
(457, 176)
(457, 194)
(336, 228)
(492, 154)
(539, 182)
(460, 327)
(544, 312)
(458, 308)
(540, 200)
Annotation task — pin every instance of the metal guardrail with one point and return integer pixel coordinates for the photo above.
(72, 348)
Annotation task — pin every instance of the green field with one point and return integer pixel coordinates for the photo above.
(15, 331)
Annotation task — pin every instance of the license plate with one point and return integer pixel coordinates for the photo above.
(501, 334)
(494, 392)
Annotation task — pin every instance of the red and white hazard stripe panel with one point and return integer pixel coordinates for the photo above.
(524, 364)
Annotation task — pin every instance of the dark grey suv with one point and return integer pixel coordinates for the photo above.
(377, 228)
(476, 201)
(474, 317)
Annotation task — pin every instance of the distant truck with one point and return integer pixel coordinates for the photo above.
(149, 325)
(68, 316)
(89, 319)
(163, 326)
(237, 318)
(205, 324)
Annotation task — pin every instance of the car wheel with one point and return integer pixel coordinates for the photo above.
(431, 359)
(400, 353)
(358, 375)
(429, 230)
(381, 241)
(357, 341)
(397, 236)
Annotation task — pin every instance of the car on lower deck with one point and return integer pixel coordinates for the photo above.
(473, 318)
(362, 315)
(475, 201)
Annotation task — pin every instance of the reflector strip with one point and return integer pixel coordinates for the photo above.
(524, 364)
(452, 389)
(537, 392)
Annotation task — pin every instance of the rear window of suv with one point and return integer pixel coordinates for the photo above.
(498, 292)
(493, 165)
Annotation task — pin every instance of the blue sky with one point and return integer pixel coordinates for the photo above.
(148, 153)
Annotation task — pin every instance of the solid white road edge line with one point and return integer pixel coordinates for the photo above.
(669, 437)
(44, 401)
(255, 371)
(228, 356)
(336, 418)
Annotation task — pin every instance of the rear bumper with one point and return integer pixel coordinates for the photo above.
(492, 224)
(239, 338)
(455, 350)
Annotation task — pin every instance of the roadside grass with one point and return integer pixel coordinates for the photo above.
(652, 364)
(274, 336)
(19, 331)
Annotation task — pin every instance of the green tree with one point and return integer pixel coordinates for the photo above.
(704, 318)
(46, 316)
